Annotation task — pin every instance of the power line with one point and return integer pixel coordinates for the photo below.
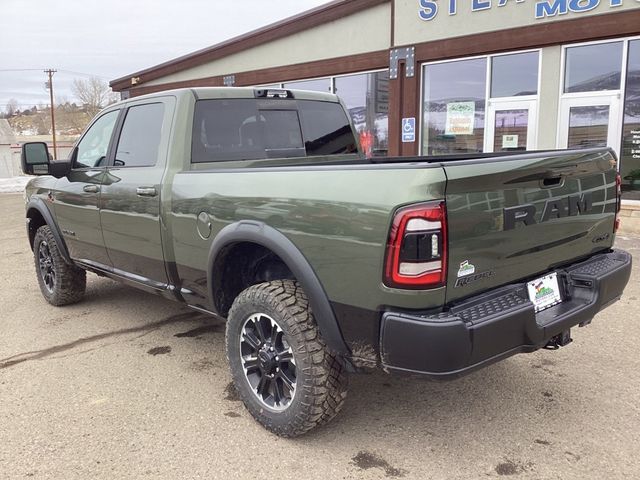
(72, 72)
(85, 74)
(33, 104)
(20, 69)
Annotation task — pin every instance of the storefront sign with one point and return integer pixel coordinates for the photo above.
(428, 9)
(408, 130)
(460, 118)
(635, 144)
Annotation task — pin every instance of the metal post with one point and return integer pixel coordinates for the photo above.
(50, 72)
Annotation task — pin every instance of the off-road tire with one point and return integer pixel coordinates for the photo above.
(69, 282)
(321, 384)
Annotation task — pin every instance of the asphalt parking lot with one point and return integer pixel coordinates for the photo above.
(128, 385)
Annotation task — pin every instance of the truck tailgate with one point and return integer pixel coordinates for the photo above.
(515, 217)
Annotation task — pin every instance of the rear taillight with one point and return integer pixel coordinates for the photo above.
(616, 224)
(416, 255)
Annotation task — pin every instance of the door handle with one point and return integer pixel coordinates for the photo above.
(91, 188)
(146, 192)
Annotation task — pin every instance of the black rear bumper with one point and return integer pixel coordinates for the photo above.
(500, 323)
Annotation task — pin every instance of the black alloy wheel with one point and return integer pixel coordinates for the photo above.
(268, 361)
(47, 270)
(286, 376)
(61, 283)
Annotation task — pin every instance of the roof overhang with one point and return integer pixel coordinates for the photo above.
(284, 28)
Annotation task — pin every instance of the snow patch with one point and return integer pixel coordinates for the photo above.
(13, 184)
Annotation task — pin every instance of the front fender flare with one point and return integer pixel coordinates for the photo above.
(38, 204)
(268, 237)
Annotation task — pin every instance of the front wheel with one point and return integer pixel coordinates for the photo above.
(286, 376)
(60, 283)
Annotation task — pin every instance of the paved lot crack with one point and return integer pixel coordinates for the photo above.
(47, 352)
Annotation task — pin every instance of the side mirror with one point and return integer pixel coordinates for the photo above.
(36, 160)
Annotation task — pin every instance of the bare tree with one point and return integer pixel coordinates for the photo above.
(12, 107)
(94, 93)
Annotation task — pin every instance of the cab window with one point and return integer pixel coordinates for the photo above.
(251, 129)
(92, 149)
(140, 137)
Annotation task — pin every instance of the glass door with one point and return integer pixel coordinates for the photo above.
(590, 122)
(511, 125)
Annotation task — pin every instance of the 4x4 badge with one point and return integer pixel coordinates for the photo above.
(466, 269)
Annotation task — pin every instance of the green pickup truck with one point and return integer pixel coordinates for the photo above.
(257, 206)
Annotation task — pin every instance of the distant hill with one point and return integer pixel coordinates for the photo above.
(70, 121)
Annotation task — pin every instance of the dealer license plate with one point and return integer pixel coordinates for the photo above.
(544, 292)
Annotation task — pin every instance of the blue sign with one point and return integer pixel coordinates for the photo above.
(408, 130)
(428, 9)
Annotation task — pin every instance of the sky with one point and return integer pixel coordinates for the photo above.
(110, 39)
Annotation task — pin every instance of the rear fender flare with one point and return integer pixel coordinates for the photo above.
(268, 237)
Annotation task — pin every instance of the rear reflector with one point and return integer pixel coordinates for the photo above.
(416, 256)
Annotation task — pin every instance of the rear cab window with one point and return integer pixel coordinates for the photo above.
(252, 129)
(140, 137)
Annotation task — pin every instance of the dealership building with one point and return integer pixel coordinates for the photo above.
(436, 77)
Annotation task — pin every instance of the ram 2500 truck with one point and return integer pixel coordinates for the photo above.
(256, 205)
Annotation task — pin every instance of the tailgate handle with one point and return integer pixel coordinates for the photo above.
(552, 181)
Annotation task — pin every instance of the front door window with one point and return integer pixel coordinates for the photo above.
(92, 149)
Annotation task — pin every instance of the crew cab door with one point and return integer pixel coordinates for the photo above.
(131, 194)
(77, 196)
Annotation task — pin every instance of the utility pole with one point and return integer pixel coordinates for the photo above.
(50, 72)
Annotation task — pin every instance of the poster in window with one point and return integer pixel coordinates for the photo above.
(510, 141)
(460, 118)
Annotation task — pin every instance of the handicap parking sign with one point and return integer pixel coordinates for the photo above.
(408, 130)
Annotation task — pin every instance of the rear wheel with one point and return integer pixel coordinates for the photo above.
(286, 376)
(60, 283)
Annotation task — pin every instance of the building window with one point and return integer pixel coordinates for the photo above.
(630, 154)
(514, 75)
(593, 68)
(510, 131)
(588, 126)
(600, 104)
(454, 107)
(366, 96)
(465, 114)
(317, 85)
